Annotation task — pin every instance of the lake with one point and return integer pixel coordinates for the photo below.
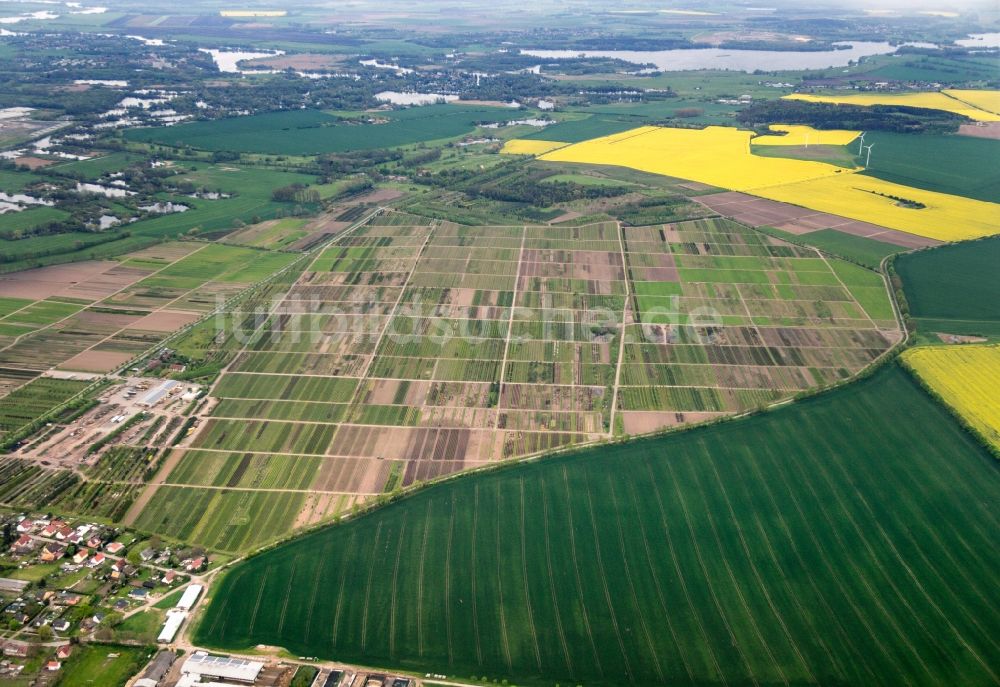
(981, 40)
(684, 59)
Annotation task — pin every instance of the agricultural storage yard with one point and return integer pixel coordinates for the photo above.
(773, 549)
(410, 351)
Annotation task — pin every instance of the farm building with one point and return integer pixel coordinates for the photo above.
(190, 596)
(174, 621)
(157, 669)
(155, 395)
(204, 665)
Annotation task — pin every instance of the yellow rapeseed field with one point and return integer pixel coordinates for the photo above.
(527, 146)
(717, 155)
(720, 156)
(865, 198)
(984, 100)
(932, 101)
(796, 135)
(967, 378)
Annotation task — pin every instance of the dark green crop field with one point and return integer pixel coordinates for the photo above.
(958, 165)
(956, 288)
(593, 126)
(309, 132)
(864, 251)
(847, 539)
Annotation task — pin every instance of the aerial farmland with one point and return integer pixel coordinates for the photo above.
(410, 351)
(403, 344)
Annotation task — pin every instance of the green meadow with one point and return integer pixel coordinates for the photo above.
(311, 132)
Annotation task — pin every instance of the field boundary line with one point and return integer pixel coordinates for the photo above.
(317, 455)
(552, 581)
(604, 579)
(395, 308)
(365, 373)
(393, 608)
(854, 300)
(499, 582)
(865, 582)
(967, 103)
(909, 571)
(844, 635)
(447, 582)
(524, 577)
(576, 570)
(631, 584)
(756, 329)
(756, 571)
(420, 581)
(738, 588)
(142, 499)
(510, 327)
(314, 253)
(704, 569)
(472, 569)
(872, 550)
(368, 586)
(340, 593)
(661, 598)
(260, 596)
(627, 277)
(984, 512)
(288, 594)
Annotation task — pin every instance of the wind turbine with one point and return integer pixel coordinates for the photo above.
(862, 146)
(868, 160)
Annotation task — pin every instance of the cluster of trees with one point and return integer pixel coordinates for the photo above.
(529, 190)
(421, 157)
(829, 116)
(356, 161)
(295, 193)
(903, 202)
